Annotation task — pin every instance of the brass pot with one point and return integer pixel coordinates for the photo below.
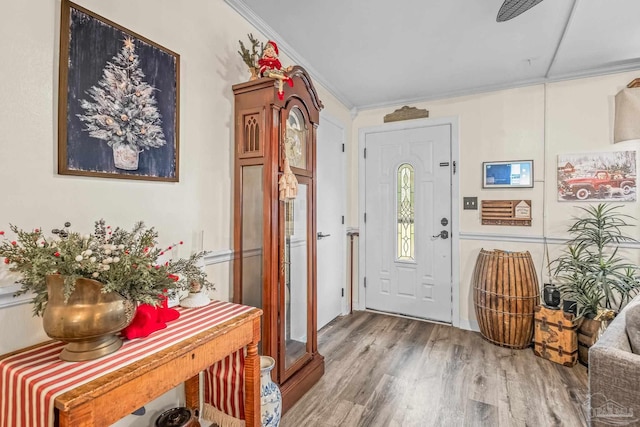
(88, 321)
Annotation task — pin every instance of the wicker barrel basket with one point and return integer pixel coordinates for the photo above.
(505, 292)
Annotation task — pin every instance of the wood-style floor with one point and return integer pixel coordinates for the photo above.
(390, 371)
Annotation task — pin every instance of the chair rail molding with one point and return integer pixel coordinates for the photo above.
(494, 237)
(8, 291)
(7, 298)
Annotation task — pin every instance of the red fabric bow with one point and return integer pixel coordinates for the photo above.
(149, 318)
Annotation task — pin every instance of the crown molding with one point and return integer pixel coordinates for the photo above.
(595, 72)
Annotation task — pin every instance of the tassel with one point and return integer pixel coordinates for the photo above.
(287, 184)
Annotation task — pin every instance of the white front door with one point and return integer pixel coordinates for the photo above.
(330, 208)
(408, 221)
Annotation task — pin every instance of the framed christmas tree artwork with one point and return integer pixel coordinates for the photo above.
(118, 111)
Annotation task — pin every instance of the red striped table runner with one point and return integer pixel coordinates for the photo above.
(224, 385)
(31, 380)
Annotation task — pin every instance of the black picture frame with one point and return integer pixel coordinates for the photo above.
(507, 174)
(91, 45)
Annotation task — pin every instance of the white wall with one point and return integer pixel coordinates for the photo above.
(205, 34)
(504, 125)
(535, 122)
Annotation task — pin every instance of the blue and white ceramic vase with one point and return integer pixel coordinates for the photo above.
(270, 397)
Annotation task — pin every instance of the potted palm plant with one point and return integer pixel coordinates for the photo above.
(592, 271)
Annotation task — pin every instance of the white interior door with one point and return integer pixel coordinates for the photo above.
(330, 208)
(408, 222)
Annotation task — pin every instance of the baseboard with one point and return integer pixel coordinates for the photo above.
(406, 316)
(465, 324)
(469, 325)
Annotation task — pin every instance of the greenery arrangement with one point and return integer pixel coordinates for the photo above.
(590, 270)
(251, 57)
(126, 262)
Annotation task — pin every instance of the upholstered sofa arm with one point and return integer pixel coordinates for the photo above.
(614, 376)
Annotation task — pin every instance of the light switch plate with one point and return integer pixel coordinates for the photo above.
(470, 203)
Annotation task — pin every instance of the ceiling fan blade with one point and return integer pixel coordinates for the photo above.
(512, 8)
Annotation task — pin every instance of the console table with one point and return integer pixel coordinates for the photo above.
(38, 389)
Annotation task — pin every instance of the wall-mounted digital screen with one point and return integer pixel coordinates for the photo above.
(510, 174)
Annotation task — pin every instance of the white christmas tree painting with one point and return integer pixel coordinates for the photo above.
(124, 110)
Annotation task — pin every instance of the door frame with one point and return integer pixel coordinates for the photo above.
(453, 122)
(343, 235)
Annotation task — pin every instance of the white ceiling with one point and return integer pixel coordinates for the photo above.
(379, 52)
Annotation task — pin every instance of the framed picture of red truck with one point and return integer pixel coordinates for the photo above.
(606, 176)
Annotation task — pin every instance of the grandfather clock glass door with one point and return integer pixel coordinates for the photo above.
(295, 278)
(296, 222)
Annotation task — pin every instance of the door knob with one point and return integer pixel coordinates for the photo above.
(322, 236)
(444, 234)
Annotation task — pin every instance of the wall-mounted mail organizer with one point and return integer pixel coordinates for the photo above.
(506, 212)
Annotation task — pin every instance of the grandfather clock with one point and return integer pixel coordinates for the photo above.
(275, 240)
